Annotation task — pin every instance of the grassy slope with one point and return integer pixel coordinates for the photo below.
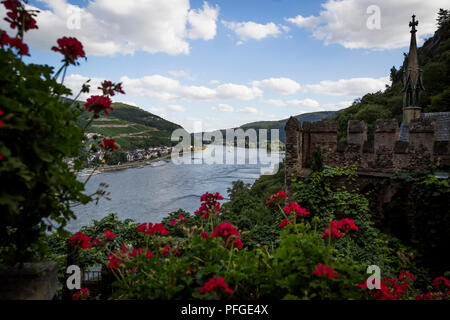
(133, 127)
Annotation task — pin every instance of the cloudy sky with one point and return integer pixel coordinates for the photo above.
(228, 62)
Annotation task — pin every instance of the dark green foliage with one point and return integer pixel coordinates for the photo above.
(429, 211)
(39, 135)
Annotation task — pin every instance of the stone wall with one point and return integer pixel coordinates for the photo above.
(384, 154)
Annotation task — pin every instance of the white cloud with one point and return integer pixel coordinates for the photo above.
(176, 107)
(275, 102)
(252, 30)
(235, 91)
(203, 22)
(307, 103)
(214, 82)
(181, 74)
(249, 110)
(166, 89)
(109, 27)
(304, 22)
(223, 108)
(355, 87)
(345, 22)
(279, 85)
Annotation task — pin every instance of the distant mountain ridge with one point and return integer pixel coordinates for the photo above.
(280, 124)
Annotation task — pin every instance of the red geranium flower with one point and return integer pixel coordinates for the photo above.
(205, 235)
(81, 240)
(139, 251)
(71, 49)
(284, 223)
(110, 235)
(216, 283)
(150, 229)
(82, 294)
(238, 243)
(18, 17)
(296, 208)
(210, 205)
(228, 233)
(175, 221)
(109, 88)
(334, 231)
(109, 144)
(347, 225)
(324, 270)
(276, 197)
(99, 104)
(441, 281)
(17, 43)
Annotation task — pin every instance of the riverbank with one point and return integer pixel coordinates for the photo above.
(134, 164)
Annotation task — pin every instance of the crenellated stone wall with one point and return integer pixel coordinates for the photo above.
(385, 154)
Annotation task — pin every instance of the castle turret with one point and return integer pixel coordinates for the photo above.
(412, 80)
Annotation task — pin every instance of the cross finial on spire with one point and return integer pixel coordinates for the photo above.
(413, 23)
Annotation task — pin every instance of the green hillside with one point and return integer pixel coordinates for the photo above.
(434, 58)
(280, 124)
(310, 117)
(132, 127)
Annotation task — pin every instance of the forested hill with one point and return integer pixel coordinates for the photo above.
(434, 59)
(132, 127)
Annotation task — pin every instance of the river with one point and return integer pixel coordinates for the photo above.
(148, 194)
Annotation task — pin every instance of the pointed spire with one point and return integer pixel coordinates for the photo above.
(413, 60)
(412, 81)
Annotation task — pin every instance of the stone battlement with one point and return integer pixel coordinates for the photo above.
(385, 154)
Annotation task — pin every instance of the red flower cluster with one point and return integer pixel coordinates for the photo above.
(295, 208)
(228, 233)
(392, 289)
(118, 258)
(18, 17)
(109, 235)
(99, 104)
(1, 114)
(324, 270)
(210, 205)
(216, 283)
(442, 287)
(81, 240)
(82, 294)
(334, 231)
(70, 48)
(347, 225)
(441, 281)
(17, 43)
(344, 225)
(275, 198)
(109, 88)
(109, 144)
(149, 228)
(139, 251)
(284, 223)
(205, 235)
(175, 221)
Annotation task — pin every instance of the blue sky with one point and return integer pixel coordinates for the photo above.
(226, 63)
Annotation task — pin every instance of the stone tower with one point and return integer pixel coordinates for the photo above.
(412, 80)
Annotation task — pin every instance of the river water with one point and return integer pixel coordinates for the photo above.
(148, 194)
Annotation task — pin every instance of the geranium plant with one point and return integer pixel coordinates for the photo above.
(39, 135)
